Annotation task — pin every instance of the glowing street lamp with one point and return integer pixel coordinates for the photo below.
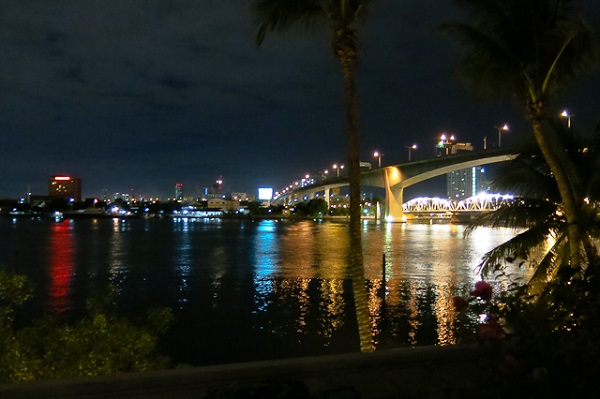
(378, 155)
(500, 130)
(410, 148)
(565, 114)
(337, 168)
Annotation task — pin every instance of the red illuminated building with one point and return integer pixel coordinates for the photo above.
(68, 187)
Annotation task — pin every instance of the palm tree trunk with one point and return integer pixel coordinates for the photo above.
(346, 58)
(567, 186)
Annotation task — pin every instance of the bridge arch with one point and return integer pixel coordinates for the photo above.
(395, 178)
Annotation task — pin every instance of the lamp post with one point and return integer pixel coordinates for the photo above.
(445, 144)
(500, 130)
(565, 114)
(378, 155)
(410, 148)
(337, 168)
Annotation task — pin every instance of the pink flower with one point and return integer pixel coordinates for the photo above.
(459, 303)
(482, 290)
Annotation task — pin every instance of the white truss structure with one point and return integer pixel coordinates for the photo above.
(478, 203)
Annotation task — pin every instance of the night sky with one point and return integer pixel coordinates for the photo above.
(138, 95)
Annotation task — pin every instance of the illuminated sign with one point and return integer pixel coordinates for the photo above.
(265, 193)
(62, 178)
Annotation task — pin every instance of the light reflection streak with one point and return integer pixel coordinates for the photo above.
(116, 254)
(332, 314)
(412, 312)
(264, 264)
(303, 305)
(376, 308)
(184, 261)
(61, 266)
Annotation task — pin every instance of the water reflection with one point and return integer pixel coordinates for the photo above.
(247, 290)
(60, 269)
(184, 261)
(304, 263)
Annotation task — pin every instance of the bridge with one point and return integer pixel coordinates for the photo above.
(395, 178)
(424, 207)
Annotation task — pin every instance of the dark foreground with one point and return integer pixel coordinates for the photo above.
(422, 372)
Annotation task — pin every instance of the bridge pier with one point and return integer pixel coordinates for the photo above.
(393, 204)
(394, 191)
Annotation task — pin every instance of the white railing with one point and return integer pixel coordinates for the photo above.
(478, 203)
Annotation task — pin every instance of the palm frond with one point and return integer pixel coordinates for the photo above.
(549, 264)
(581, 54)
(347, 12)
(527, 176)
(525, 48)
(518, 247)
(282, 15)
(528, 213)
(483, 61)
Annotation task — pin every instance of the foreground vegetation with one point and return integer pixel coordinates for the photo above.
(98, 344)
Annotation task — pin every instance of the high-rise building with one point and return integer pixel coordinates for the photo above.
(179, 192)
(67, 187)
(466, 182)
(216, 190)
(463, 183)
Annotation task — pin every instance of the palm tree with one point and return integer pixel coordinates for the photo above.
(343, 18)
(528, 50)
(538, 211)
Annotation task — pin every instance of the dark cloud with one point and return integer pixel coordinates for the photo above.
(143, 94)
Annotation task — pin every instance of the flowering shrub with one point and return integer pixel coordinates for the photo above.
(480, 301)
(547, 344)
(482, 291)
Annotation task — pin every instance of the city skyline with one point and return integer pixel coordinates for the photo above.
(144, 95)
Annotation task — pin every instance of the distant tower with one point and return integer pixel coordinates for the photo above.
(463, 183)
(67, 187)
(217, 188)
(179, 192)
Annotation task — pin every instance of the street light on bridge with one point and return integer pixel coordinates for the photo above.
(378, 155)
(410, 148)
(337, 168)
(566, 114)
(500, 130)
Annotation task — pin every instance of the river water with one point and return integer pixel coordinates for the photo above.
(244, 290)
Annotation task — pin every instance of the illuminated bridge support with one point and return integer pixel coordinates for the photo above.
(393, 195)
(327, 193)
(393, 201)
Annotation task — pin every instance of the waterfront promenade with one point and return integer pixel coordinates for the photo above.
(420, 372)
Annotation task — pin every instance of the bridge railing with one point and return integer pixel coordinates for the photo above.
(478, 203)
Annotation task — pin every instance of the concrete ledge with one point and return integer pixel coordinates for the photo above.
(412, 372)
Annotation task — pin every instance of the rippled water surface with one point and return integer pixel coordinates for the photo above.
(252, 290)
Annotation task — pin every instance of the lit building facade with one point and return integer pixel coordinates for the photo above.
(179, 192)
(464, 183)
(67, 187)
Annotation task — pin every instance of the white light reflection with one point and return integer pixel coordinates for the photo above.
(184, 259)
(116, 254)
